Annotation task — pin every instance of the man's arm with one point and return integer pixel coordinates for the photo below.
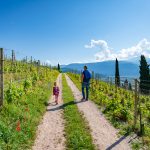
(82, 77)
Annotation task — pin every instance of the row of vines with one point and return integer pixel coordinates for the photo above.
(27, 88)
(118, 107)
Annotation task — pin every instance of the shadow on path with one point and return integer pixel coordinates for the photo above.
(63, 105)
(117, 142)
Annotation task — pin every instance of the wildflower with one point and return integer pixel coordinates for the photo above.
(18, 128)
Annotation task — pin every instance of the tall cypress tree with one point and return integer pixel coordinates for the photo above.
(58, 67)
(144, 76)
(117, 76)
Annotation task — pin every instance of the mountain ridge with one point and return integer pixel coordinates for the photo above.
(107, 68)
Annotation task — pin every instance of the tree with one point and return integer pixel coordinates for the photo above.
(126, 84)
(58, 67)
(117, 76)
(130, 86)
(144, 76)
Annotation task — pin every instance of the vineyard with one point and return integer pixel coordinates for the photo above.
(27, 87)
(118, 106)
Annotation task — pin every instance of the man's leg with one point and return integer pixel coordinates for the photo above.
(87, 91)
(83, 94)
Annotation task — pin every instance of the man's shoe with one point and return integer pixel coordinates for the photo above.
(82, 99)
(86, 99)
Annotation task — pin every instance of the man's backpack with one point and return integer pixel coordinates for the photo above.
(87, 76)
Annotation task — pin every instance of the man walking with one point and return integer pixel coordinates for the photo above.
(85, 80)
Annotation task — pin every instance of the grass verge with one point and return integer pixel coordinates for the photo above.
(76, 128)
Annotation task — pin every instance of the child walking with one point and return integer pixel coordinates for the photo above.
(56, 92)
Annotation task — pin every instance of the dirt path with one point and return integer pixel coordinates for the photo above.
(50, 134)
(104, 135)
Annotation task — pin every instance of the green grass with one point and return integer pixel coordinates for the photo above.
(28, 109)
(77, 131)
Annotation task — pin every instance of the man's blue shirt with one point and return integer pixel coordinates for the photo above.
(87, 76)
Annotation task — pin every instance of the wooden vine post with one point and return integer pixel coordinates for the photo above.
(116, 85)
(1, 76)
(140, 111)
(38, 67)
(92, 86)
(31, 61)
(13, 56)
(135, 103)
(13, 60)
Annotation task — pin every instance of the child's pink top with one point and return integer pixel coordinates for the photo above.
(55, 90)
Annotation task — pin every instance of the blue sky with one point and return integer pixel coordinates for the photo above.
(68, 31)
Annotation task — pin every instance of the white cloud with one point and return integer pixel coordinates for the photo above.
(143, 47)
(101, 43)
(106, 53)
(48, 62)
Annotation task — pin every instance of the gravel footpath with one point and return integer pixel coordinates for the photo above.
(103, 133)
(50, 133)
